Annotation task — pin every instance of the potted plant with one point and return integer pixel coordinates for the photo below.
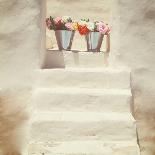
(94, 33)
(64, 31)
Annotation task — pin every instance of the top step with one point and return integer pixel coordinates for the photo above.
(84, 78)
(61, 59)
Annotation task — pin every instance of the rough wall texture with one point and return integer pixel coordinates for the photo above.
(135, 48)
(19, 55)
(20, 44)
(19, 41)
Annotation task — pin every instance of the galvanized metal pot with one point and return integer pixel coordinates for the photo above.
(64, 39)
(94, 41)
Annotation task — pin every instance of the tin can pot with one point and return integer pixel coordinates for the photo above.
(94, 41)
(64, 39)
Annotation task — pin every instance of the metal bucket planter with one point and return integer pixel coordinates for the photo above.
(64, 39)
(94, 41)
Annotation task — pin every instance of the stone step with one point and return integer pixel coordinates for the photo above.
(72, 99)
(84, 78)
(68, 126)
(85, 59)
(60, 59)
(85, 148)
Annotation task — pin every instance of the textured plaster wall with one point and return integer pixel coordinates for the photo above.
(132, 45)
(19, 40)
(19, 56)
(135, 47)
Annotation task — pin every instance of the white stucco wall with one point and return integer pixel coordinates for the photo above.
(20, 40)
(19, 56)
(135, 46)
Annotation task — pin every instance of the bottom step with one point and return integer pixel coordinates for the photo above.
(84, 148)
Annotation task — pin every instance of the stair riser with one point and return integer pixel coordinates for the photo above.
(82, 102)
(67, 131)
(74, 59)
(85, 60)
(84, 79)
(57, 149)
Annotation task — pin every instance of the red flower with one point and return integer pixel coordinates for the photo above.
(83, 30)
(58, 23)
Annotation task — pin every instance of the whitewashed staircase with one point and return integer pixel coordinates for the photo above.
(83, 111)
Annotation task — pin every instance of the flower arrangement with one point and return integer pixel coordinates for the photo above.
(93, 31)
(85, 26)
(61, 23)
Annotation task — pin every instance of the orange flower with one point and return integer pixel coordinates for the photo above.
(83, 30)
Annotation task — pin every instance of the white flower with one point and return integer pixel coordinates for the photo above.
(82, 23)
(91, 26)
(66, 19)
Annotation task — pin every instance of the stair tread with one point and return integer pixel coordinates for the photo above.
(95, 91)
(84, 78)
(82, 116)
(106, 70)
(89, 142)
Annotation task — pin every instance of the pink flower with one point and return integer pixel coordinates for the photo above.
(108, 30)
(69, 26)
(58, 20)
(103, 28)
